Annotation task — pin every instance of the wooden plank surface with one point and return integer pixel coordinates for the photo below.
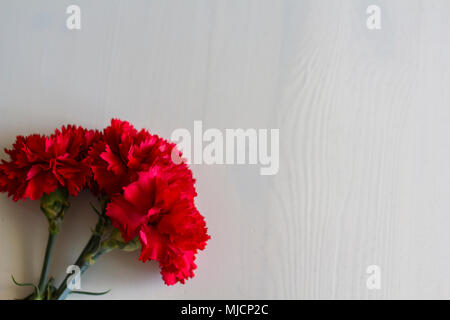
(364, 129)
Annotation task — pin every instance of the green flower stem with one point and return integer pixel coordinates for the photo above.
(46, 266)
(91, 252)
(54, 206)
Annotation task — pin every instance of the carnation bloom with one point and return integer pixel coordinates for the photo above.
(159, 209)
(124, 152)
(151, 197)
(40, 164)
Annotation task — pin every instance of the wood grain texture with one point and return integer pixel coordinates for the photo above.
(364, 125)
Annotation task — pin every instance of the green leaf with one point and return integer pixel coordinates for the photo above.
(91, 293)
(25, 285)
(95, 209)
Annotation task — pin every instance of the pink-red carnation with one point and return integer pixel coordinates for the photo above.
(40, 164)
(158, 208)
(124, 152)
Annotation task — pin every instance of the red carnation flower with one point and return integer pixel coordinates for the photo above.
(41, 164)
(124, 152)
(159, 208)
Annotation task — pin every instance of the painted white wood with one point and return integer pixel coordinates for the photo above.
(364, 125)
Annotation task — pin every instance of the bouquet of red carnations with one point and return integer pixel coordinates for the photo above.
(145, 198)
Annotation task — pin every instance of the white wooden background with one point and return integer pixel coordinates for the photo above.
(364, 120)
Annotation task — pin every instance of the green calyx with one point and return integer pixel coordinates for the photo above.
(54, 205)
(110, 237)
(115, 241)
